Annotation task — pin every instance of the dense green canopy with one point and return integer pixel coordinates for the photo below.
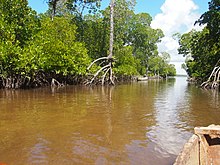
(61, 43)
(202, 48)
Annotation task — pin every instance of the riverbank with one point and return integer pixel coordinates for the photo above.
(43, 79)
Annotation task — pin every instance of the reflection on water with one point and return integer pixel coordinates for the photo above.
(169, 132)
(137, 123)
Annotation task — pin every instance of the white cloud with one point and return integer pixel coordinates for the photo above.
(176, 16)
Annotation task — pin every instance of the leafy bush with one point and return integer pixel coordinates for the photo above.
(125, 62)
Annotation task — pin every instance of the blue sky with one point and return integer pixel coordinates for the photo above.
(149, 6)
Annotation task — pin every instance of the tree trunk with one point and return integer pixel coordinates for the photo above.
(111, 42)
(107, 69)
(53, 5)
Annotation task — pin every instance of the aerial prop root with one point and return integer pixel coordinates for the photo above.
(54, 83)
(106, 69)
(213, 80)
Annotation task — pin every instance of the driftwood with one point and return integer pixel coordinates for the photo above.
(106, 70)
(213, 80)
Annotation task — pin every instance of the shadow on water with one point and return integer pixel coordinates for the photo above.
(137, 123)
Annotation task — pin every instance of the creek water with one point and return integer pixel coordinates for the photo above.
(136, 123)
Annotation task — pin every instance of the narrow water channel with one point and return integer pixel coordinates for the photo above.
(136, 123)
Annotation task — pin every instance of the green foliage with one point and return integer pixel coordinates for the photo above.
(142, 38)
(18, 22)
(95, 35)
(130, 29)
(76, 7)
(65, 45)
(159, 66)
(185, 42)
(202, 48)
(125, 62)
(52, 50)
(170, 70)
(9, 58)
(30, 44)
(18, 25)
(212, 19)
(58, 50)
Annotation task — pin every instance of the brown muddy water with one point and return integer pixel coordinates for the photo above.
(137, 123)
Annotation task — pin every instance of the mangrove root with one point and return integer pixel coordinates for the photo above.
(55, 83)
(106, 71)
(213, 80)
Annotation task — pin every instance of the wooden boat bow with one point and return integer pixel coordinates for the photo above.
(203, 148)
